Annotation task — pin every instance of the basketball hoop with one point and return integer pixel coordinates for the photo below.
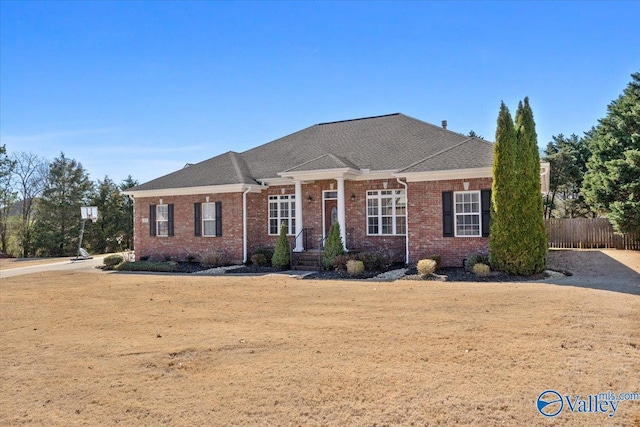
(89, 212)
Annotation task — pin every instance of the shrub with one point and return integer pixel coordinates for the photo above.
(281, 257)
(163, 267)
(475, 258)
(333, 247)
(355, 267)
(426, 267)
(340, 262)
(437, 259)
(214, 259)
(481, 270)
(259, 260)
(373, 260)
(190, 258)
(267, 252)
(145, 258)
(113, 260)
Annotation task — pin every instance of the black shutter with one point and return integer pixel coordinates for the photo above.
(218, 219)
(485, 206)
(170, 214)
(197, 219)
(447, 214)
(152, 220)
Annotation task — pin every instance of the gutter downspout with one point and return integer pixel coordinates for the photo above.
(244, 225)
(406, 219)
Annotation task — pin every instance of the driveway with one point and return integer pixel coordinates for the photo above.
(88, 264)
(606, 269)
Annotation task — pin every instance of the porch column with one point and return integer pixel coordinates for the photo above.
(299, 226)
(341, 212)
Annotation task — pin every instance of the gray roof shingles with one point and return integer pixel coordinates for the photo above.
(382, 143)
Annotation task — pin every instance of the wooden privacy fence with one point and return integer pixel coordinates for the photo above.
(587, 233)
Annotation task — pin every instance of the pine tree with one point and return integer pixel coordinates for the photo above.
(612, 183)
(333, 246)
(281, 258)
(66, 189)
(108, 232)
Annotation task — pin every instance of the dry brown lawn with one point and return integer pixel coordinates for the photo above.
(107, 349)
(9, 263)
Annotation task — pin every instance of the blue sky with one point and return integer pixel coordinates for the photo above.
(142, 88)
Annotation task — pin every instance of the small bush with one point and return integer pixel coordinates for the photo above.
(475, 258)
(190, 258)
(259, 259)
(162, 267)
(113, 260)
(426, 267)
(214, 259)
(281, 258)
(373, 261)
(144, 258)
(481, 270)
(437, 259)
(355, 267)
(267, 252)
(167, 257)
(333, 246)
(339, 262)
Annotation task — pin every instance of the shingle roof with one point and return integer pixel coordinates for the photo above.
(381, 143)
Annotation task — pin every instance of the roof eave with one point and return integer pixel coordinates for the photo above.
(442, 175)
(187, 191)
(320, 174)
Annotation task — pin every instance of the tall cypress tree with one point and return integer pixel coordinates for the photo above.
(504, 160)
(518, 241)
(532, 232)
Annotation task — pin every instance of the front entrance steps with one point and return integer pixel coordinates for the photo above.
(310, 260)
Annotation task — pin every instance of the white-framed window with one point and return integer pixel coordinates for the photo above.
(282, 209)
(467, 213)
(386, 212)
(162, 220)
(209, 219)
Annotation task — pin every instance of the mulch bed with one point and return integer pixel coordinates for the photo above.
(459, 274)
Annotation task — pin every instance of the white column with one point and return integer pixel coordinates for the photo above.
(299, 241)
(341, 212)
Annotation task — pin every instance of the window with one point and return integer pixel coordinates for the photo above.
(467, 213)
(386, 212)
(282, 209)
(162, 220)
(209, 219)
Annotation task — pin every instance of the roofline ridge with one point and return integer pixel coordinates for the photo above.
(360, 118)
(236, 165)
(464, 141)
(308, 161)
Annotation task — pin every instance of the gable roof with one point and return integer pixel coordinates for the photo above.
(392, 142)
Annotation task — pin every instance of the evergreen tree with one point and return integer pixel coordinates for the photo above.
(281, 258)
(67, 188)
(7, 196)
(532, 236)
(333, 246)
(518, 240)
(504, 166)
(108, 232)
(568, 159)
(127, 213)
(612, 184)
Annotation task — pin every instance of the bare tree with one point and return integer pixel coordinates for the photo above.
(30, 172)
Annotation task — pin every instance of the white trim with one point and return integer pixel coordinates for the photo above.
(244, 225)
(279, 198)
(344, 173)
(298, 215)
(394, 216)
(158, 220)
(202, 220)
(188, 191)
(342, 212)
(478, 214)
(446, 174)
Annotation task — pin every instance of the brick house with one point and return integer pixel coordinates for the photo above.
(394, 183)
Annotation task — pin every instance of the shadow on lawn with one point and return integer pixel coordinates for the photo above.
(593, 269)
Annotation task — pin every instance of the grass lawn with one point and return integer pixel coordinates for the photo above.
(106, 349)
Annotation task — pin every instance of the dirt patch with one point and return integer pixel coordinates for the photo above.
(105, 349)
